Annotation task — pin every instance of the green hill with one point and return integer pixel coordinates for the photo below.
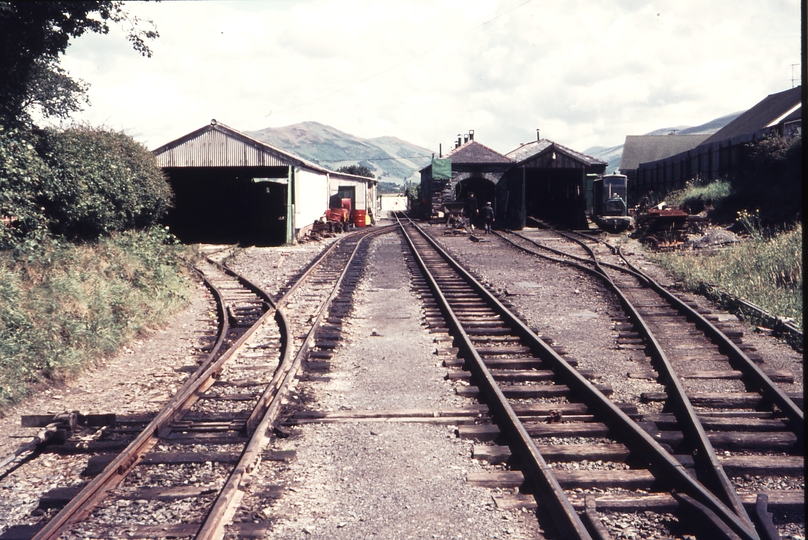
(390, 158)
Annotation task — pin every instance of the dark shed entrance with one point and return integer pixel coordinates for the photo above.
(229, 204)
(229, 187)
(549, 182)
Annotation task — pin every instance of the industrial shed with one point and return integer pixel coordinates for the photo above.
(232, 188)
(646, 148)
(475, 168)
(548, 180)
(725, 152)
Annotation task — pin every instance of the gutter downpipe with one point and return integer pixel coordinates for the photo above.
(290, 206)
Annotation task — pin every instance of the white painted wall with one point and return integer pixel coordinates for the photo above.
(311, 196)
(392, 203)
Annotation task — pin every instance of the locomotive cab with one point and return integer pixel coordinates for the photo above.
(610, 210)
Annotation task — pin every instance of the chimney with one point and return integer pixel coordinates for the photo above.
(471, 134)
(538, 137)
(465, 138)
(459, 140)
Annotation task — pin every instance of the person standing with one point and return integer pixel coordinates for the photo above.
(487, 214)
(471, 210)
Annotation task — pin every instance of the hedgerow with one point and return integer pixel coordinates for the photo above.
(100, 182)
(66, 307)
(84, 264)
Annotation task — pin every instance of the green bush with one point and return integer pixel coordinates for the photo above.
(696, 196)
(66, 306)
(21, 173)
(100, 182)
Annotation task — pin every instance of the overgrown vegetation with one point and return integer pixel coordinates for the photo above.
(67, 306)
(358, 170)
(768, 180)
(695, 197)
(765, 270)
(84, 264)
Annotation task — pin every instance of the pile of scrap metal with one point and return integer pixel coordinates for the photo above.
(665, 228)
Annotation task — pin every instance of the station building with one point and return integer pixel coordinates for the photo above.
(232, 188)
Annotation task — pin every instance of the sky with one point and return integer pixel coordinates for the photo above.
(585, 72)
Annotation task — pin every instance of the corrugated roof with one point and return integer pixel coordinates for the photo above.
(218, 145)
(534, 148)
(474, 152)
(644, 148)
(773, 107)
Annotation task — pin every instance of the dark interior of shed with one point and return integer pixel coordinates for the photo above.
(484, 190)
(223, 205)
(556, 195)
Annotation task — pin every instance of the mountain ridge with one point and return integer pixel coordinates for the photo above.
(391, 159)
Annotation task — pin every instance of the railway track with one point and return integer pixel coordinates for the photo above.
(182, 472)
(662, 461)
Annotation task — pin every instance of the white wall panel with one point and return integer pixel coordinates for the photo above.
(311, 196)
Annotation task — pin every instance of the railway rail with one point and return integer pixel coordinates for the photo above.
(529, 387)
(182, 471)
(681, 451)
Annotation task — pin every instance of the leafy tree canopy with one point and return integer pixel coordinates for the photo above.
(33, 35)
(358, 170)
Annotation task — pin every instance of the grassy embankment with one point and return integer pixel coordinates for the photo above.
(67, 307)
(84, 265)
(764, 269)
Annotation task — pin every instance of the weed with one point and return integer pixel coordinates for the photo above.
(66, 306)
(695, 196)
(765, 269)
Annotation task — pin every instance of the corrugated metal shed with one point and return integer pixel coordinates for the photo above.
(644, 148)
(217, 145)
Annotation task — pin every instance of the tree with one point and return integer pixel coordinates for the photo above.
(33, 35)
(358, 170)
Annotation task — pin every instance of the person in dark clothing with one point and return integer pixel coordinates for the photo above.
(471, 210)
(487, 214)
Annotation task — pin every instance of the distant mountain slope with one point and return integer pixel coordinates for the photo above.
(613, 154)
(390, 158)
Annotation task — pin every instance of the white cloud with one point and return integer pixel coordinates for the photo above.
(585, 72)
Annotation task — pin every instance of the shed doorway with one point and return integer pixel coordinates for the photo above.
(220, 205)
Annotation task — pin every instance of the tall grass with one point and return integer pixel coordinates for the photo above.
(765, 269)
(65, 306)
(696, 195)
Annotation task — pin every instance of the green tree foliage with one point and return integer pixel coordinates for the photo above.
(32, 37)
(358, 170)
(389, 187)
(100, 181)
(21, 174)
